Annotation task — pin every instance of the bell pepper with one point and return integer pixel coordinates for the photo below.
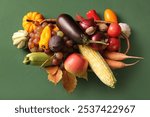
(92, 14)
(45, 37)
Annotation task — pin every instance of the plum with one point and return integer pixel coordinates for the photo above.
(56, 43)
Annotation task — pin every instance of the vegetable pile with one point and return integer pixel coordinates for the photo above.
(68, 48)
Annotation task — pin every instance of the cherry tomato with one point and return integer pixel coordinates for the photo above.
(114, 30)
(114, 44)
(110, 16)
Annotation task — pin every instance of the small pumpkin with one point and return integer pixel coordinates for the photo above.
(31, 20)
(20, 39)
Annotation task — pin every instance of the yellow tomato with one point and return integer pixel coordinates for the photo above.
(110, 16)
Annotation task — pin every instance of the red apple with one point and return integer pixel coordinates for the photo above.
(76, 64)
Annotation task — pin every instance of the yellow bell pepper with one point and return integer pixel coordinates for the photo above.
(45, 37)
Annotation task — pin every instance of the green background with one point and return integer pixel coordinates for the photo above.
(18, 81)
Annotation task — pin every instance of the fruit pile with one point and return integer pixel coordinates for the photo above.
(68, 48)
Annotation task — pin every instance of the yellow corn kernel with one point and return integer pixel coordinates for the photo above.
(98, 65)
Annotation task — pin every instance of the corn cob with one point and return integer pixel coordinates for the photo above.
(98, 65)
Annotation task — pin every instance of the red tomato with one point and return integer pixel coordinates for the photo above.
(114, 30)
(114, 44)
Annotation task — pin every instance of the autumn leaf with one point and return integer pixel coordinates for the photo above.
(55, 76)
(69, 81)
(84, 76)
(52, 70)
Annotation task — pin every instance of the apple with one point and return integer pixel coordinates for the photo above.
(76, 64)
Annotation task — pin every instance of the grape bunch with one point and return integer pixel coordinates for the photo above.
(33, 43)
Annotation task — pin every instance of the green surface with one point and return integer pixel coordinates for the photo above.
(18, 81)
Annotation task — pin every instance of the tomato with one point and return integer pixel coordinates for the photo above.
(114, 30)
(110, 16)
(114, 44)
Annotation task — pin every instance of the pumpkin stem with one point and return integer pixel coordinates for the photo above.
(34, 22)
(29, 20)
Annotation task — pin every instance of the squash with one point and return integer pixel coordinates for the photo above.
(20, 39)
(31, 20)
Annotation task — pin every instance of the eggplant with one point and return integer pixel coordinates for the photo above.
(70, 28)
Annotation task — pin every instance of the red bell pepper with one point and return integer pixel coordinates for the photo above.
(92, 14)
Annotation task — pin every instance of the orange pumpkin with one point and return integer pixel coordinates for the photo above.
(30, 20)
